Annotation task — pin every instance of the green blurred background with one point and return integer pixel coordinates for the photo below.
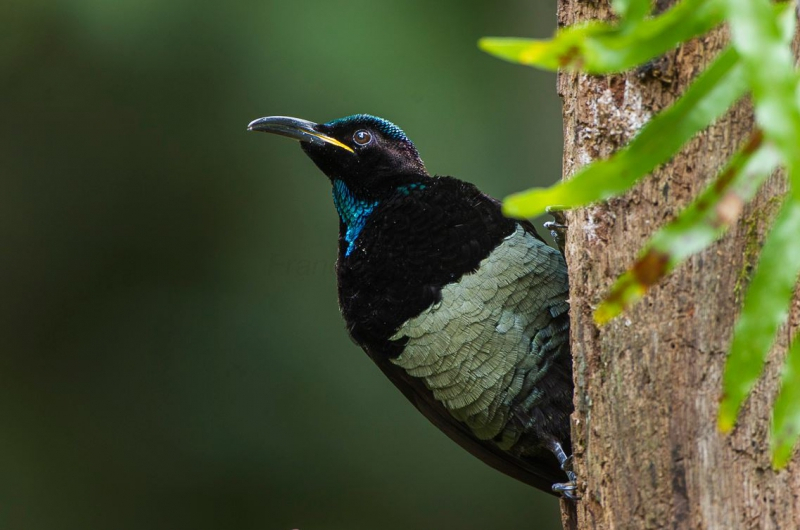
(172, 352)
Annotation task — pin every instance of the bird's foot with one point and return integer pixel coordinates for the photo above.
(568, 490)
(557, 227)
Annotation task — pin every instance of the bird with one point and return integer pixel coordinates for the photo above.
(465, 310)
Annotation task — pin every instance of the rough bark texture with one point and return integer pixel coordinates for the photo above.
(647, 385)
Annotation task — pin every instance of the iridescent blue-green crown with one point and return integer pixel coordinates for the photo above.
(387, 128)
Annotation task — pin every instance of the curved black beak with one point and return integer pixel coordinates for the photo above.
(301, 130)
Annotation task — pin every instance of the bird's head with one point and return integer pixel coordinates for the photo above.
(369, 154)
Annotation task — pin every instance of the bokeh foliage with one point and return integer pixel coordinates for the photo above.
(172, 353)
(760, 61)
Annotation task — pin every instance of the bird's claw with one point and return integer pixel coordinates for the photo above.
(568, 490)
(555, 226)
(558, 227)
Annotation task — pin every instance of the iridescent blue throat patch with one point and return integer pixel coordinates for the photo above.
(352, 212)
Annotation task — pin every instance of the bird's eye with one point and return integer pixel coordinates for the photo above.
(362, 137)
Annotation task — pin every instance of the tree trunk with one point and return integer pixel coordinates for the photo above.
(647, 384)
